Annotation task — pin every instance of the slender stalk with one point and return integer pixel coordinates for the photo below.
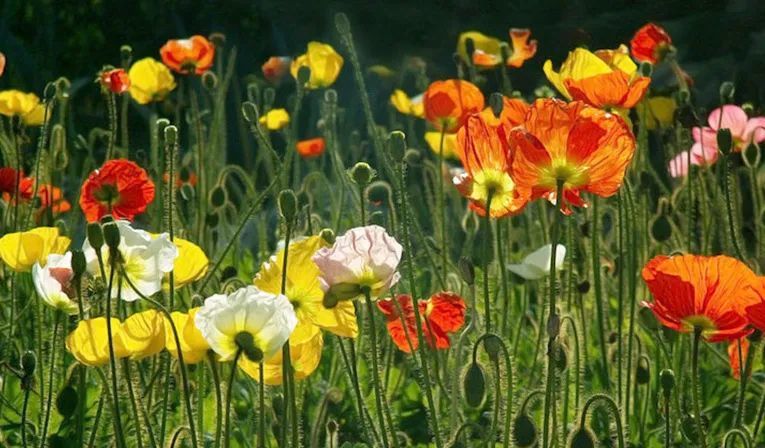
(595, 254)
(379, 392)
(112, 357)
(49, 404)
(486, 251)
(288, 374)
(96, 421)
(229, 390)
(695, 387)
(442, 204)
(261, 408)
(24, 408)
(134, 404)
(218, 398)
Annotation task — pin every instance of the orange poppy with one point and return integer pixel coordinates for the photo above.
(442, 314)
(733, 355)
(513, 113)
(523, 50)
(120, 188)
(585, 148)
(50, 197)
(312, 147)
(276, 67)
(483, 148)
(192, 55)
(449, 103)
(650, 43)
(115, 80)
(710, 293)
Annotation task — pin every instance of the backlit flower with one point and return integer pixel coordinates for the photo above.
(450, 149)
(604, 79)
(657, 112)
(710, 293)
(276, 67)
(313, 147)
(120, 188)
(442, 314)
(143, 334)
(650, 43)
(585, 149)
(192, 55)
(191, 264)
(115, 80)
(248, 321)
(737, 359)
(449, 103)
(194, 346)
(275, 119)
(150, 80)
(27, 106)
(407, 106)
(364, 257)
(523, 49)
(89, 342)
(53, 282)
(487, 50)
(487, 158)
(325, 64)
(21, 250)
(513, 113)
(536, 265)
(144, 259)
(304, 359)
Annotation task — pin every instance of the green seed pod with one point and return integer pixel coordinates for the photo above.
(342, 24)
(524, 431)
(250, 112)
(171, 135)
(667, 378)
(496, 102)
(218, 197)
(212, 220)
(126, 55)
(379, 192)
(327, 235)
(95, 236)
(661, 229)
(467, 270)
(474, 385)
(493, 345)
(582, 438)
(584, 287)
(79, 264)
(724, 140)
(111, 236)
(560, 356)
(646, 69)
(209, 81)
(303, 75)
(288, 205)
(362, 174)
(397, 145)
(66, 401)
(642, 372)
(727, 91)
(29, 363)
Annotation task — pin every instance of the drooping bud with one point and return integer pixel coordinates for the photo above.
(642, 372)
(667, 378)
(209, 81)
(474, 385)
(111, 236)
(377, 218)
(724, 140)
(397, 145)
(171, 135)
(28, 363)
(379, 192)
(582, 437)
(524, 431)
(218, 197)
(95, 236)
(727, 91)
(288, 205)
(327, 235)
(646, 69)
(250, 112)
(496, 102)
(412, 157)
(66, 401)
(79, 264)
(362, 174)
(492, 344)
(126, 55)
(467, 270)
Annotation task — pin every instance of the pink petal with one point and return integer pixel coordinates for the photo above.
(755, 130)
(678, 167)
(703, 155)
(733, 118)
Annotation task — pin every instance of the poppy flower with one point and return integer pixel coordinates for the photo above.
(51, 198)
(325, 64)
(115, 80)
(304, 359)
(487, 157)
(442, 314)
(89, 345)
(406, 105)
(183, 177)
(143, 334)
(8, 180)
(433, 139)
(710, 293)
(605, 79)
(150, 81)
(650, 43)
(186, 56)
(735, 358)
(487, 51)
(120, 188)
(27, 106)
(536, 265)
(586, 149)
(523, 49)
(657, 112)
(276, 67)
(449, 103)
(313, 147)
(275, 119)
(21, 250)
(53, 282)
(513, 113)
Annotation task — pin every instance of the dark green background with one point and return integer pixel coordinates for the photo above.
(43, 39)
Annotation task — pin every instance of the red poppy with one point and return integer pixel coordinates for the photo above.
(735, 359)
(8, 178)
(442, 314)
(120, 188)
(709, 293)
(650, 43)
(449, 103)
(192, 55)
(276, 67)
(115, 80)
(312, 147)
(585, 148)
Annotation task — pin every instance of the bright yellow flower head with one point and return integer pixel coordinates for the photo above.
(191, 264)
(275, 119)
(150, 80)
(89, 342)
(407, 106)
(304, 291)
(15, 103)
(658, 111)
(305, 357)
(21, 250)
(433, 139)
(325, 64)
(193, 344)
(143, 334)
(488, 51)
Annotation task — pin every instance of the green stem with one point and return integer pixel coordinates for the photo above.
(695, 387)
(379, 392)
(112, 357)
(49, 403)
(218, 398)
(595, 254)
(486, 252)
(229, 390)
(442, 205)
(261, 408)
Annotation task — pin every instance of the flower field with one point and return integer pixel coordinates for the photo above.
(408, 258)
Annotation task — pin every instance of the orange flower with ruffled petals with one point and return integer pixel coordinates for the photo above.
(115, 80)
(708, 293)
(186, 56)
(650, 43)
(442, 314)
(584, 148)
(276, 67)
(449, 103)
(486, 155)
(523, 49)
(120, 188)
(313, 147)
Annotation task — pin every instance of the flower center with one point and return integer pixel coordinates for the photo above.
(699, 321)
(246, 343)
(108, 194)
(570, 174)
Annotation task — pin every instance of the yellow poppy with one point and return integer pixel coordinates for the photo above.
(15, 103)
(433, 139)
(304, 356)
(89, 342)
(325, 64)
(275, 119)
(143, 334)
(658, 111)
(193, 344)
(191, 264)
(487, 52)
(21, 250)
(150, 80)
(407, 106)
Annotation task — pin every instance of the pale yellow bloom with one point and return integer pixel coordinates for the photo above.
(433, 139)
(15, 103)
(275, 119)
(407, 106)
(143, 334)
(21, 250)
(150, 80)
(89, 342)
(325, 64)
(191, 264)
(193, 344)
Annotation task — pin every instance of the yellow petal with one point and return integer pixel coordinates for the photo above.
(21, 250)
(275, 119)
(433, 140)
(191, 264)
(150, 80)
(304, 357)
(89, 343)
(325, 64)
(487, 44)
(143, 334)
(192, 354)
(555, 79)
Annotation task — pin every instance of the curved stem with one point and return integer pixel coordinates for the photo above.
(442, 204)
(261, 408)
(613, 408)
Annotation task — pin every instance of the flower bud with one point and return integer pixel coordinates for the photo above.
(474, 385)
(748, 108)
(727, 91)
(330, 96)
(496, 103)
(250, 112)
(377, 218)
(212, 220)
(126, 55)
(218, 39)
(28, 363)
(397, 145)
(583, 287)
(162, 123)
(724, 140)
(642, 372)
(218, 197)
(342, 24)
(66, 401)
(683, 97)
(524, 431)
(492, 344)
(269, 95)
(111, 236)
(379, 193)
(209, 81)
(362, 174)
(171, 135)
(467, 270)
(582, 438)
(646, 69)
(667, 378)
(412, 157)
(79, 264)
(288, 206)
(661, 229)
(327, 235)
(95, 236)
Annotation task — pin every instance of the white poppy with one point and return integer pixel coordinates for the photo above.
(53, 282)
(536, 265)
